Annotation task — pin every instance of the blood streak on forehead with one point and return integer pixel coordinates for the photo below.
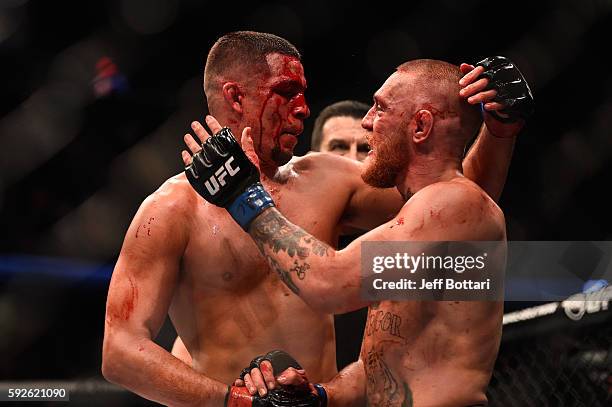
(293, 69)
(285, 67)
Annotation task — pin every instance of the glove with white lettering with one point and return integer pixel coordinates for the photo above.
(512, 89)
(223, 175)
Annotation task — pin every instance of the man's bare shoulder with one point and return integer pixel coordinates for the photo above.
(326, 162)
(162, 224)
(175, 199)
(459, 193)
(457, 206)
(174, 194)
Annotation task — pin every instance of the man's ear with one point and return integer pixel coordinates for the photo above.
(233, 95)
(424, 122)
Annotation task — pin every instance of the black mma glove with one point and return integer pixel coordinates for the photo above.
(279, 360)
(512, 89)
(223, 175)
(285, 396)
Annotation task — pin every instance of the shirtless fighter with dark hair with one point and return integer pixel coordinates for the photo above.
(195, 264)
(442, 353)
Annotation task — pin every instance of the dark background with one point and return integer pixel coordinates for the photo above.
(77, 158)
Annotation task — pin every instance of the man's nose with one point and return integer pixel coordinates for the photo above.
(368, 119)
(300, 107)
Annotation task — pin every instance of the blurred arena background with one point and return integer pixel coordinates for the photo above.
(96, 96)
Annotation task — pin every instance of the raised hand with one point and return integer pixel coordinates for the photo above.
(221, 172)
(502, 90)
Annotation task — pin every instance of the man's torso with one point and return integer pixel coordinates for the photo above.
(423, 350)
(229, 306)
(427, 348)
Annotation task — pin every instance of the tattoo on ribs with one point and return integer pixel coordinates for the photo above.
(383, 321)
(383, 389)
(407, 396)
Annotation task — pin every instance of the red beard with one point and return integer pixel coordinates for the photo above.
(390, 158)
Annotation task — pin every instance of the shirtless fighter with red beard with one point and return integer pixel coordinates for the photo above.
(439, 353)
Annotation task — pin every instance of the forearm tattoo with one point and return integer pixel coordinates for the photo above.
(273, 235)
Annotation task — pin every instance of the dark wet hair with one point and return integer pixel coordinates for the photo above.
(243, 48)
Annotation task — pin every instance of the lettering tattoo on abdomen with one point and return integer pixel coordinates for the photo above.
(273, 233)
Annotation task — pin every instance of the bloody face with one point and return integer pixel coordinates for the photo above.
(386, 124)
(275, 109)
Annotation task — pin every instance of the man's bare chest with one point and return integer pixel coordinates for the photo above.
(220, 255)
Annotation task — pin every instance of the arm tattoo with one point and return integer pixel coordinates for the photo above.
(318, 248)
(273, 230)
(274, 234)
(284, 275)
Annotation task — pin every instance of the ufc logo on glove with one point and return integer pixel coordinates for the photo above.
(241, 193)
(212, 185)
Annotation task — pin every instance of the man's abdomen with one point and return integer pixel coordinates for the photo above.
(226, 334)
